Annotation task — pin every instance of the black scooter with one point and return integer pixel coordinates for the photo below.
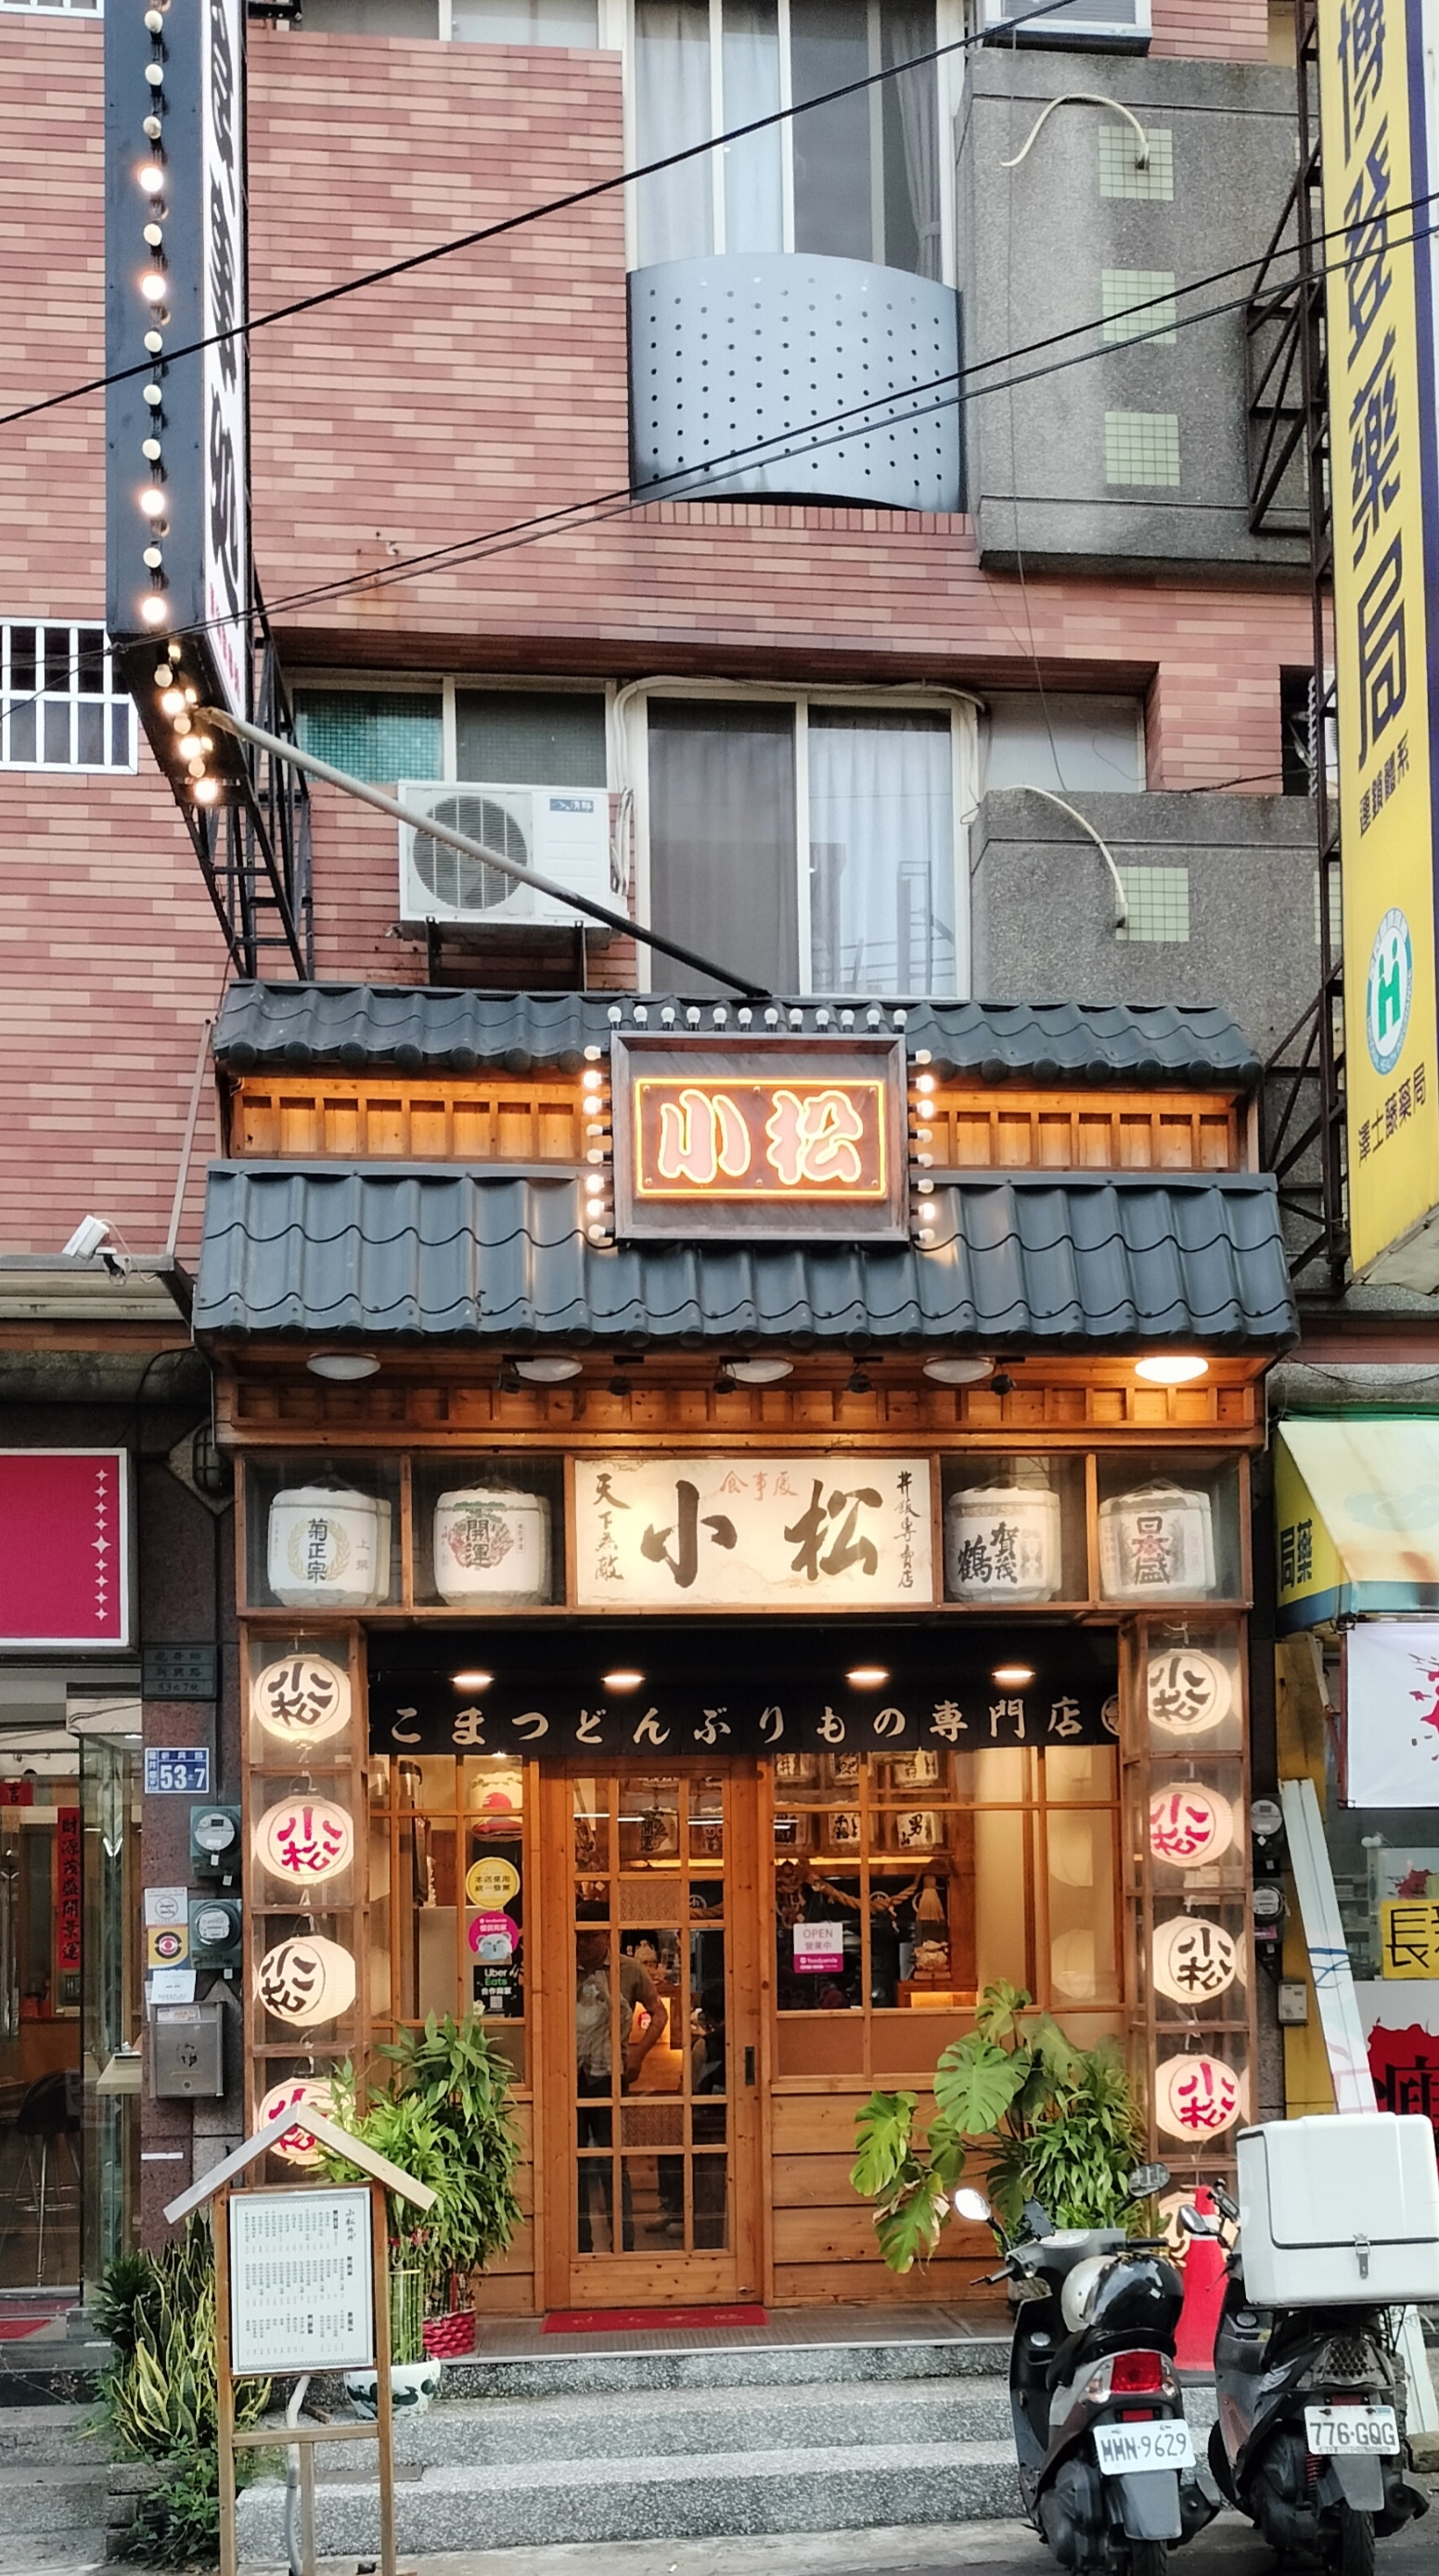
(1106, 2459)
(1310, 2441)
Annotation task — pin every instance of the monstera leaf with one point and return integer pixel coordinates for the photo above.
(975, 2083)
(908, 2231)
(999, 2008)
(882, 2135)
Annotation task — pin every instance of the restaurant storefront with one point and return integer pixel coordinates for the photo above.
(712, 1629)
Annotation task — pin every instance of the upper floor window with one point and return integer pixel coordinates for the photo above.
(56, 8)
(59, 706)
(858, 178)
(474, 22)
(482, 737)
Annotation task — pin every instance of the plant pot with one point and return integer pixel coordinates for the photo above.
(412, 2385)
(449, 2338)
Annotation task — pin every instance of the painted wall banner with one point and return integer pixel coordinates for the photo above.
(1381, 136)
(1391, 1702)
(645, 1693)
(744, 1532)
(64, 1547)
(760, 1136)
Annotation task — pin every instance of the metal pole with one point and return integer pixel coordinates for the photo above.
(281, 750)
(384, 2395)
(225, 2385)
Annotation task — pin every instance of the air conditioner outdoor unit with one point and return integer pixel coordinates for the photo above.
(562, 832)
(1074, 22)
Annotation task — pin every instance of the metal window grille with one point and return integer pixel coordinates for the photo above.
(1118, 174)
(1123, 289)
(1158, 900)
(59, 705)
(1141, 447)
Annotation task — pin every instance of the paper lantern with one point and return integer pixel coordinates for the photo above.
(1156, 1544)
(328, 1548)
(1197, 2097)
(492, 1546)
(306, 1980)
(1071, 1965)
(298, 2093)
(1189, 1825)
(917, 1830)
(1188, 1692)
(302, 1700)
(1002, 1543)
(303, 1841)
(1192, 1960)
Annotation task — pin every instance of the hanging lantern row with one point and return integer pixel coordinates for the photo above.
(1189, 1825)
(304, 1841)
(306, 1980)
(300, 2093)
(1197, 2098)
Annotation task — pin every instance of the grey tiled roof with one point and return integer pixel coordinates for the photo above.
(1053, 1261)
(363, 1027)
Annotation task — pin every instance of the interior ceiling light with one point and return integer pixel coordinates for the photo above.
(472, 1681)
(344, 1366)
(758, 1372)
(551, 1371)
(1172, 1368)
(1012, 1676)
(958, 1372)
(867, 1676)
(622, 1681)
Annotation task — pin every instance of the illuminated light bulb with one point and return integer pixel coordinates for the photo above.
(152, 395)
(152, 502)
(162, 674)
(184, 724)
(155, 75)
(150, 450)
(152, 286)
(154, 234)
(151, 177)
(192, 696)
(151, 127)
(172, 702)
(206, 790)
(204, 742)
(156, 609)
(152, 558)
(154, 342)
(173, 650)
(154, 20)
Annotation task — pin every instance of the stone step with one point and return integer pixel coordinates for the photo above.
(561, 2373)
(71, 2551)
(675, 2495)
(57, 2433)
(40, 2498)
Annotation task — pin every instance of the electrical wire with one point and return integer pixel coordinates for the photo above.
(530, 215)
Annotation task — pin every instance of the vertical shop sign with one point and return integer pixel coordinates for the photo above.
(67, 1903)
(1379, 137)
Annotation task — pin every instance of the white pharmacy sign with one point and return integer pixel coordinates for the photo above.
(826, 1533)
(302, 2293)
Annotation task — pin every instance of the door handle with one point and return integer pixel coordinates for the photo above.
(749, 2066)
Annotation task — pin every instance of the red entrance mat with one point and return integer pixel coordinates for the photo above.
(637, 2320)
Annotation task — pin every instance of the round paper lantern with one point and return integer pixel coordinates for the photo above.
(1071, 1965)
(492, 1547)
(328, 1548)
(306, 1980)
(299, 2093)
(1197, 2097)
(1189, 1692)
(1189, 1825)
(304, 1840)
(1001, 1543)
(302, 1699)
(1192, 1960)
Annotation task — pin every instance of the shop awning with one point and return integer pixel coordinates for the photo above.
(1357, 1512)
(1049, 1262)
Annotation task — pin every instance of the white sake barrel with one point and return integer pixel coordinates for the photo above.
(1002, 1543)
(1156, 1544)
(492, 1546)
(328, 1548)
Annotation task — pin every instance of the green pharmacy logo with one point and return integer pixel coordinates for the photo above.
(1389, 993)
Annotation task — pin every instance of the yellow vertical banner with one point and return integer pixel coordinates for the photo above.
(1382, 397)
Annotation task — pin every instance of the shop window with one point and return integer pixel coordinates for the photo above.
(1064, 742)
(857, 178)
(448, 1883)
(1169, 1530)
(906, 1883)
(489, 1532)
(59, 705)
(376, 735)
(870, 905)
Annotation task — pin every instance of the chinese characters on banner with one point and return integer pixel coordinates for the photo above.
(1409, 1937)
(1391, 1697)
(1380, 300)
(67, 1898)
(753, 1533)
(771, 1137)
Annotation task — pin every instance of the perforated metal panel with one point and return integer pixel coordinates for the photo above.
(792, 378)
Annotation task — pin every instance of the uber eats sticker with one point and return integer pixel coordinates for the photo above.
(1389, 992)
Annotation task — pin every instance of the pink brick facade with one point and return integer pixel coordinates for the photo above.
(485, 389)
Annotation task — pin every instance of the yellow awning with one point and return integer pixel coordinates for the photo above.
(1357, 1509)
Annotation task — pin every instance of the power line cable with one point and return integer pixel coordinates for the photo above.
(530, 215)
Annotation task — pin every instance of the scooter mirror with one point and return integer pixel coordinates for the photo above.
(1191, 2223)
(1037, 2219)
(973, 2205)
(1146, 2180)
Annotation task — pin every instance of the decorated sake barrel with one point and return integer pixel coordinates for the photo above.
(1156, 1544)
(492, 1547)
(1002, 1543)
(329, 1548)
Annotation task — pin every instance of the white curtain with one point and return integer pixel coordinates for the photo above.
(881, 833)
(753, 195)
(672, 110)
(908, 33)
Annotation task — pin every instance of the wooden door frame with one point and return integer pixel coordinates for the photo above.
(561, 2278)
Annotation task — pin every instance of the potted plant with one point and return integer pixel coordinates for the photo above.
(1057, 2124)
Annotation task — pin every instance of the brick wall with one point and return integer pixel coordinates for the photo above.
(1218, 31)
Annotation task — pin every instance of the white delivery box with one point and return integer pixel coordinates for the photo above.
(1339, 2211)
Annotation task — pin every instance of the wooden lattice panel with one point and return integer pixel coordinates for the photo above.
(1102, 1132)
(421, 1122)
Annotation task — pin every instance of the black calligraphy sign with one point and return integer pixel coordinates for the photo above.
(648, 1689)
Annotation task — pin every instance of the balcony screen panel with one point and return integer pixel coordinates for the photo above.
(881, 852)
(525, 22)
(376, 735)
(722, 836)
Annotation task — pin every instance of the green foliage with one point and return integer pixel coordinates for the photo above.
(178, 2523)
(1058, 2124)
(159, 2394)
(447, 2121)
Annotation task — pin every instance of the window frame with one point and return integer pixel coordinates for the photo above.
(609, 38)
(107, 698)
(445, 685)
(964, 754)
(949, 78)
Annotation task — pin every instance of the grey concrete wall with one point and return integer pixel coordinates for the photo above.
(1044, 906)
(1034, 243)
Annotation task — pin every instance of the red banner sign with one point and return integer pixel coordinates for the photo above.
(64, 1548)
(67, 1893)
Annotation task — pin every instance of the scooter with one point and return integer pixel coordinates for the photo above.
(1106, 2460)
(1310, 2441)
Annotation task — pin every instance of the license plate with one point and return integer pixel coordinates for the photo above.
(1350, 2429)
(1122, 2448)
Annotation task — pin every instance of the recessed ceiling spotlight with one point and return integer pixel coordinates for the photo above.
(622, 1681)
(759, 1372)
(958, 1372)
(867, 1676)
(472, 1681)
(1172, 1368)
(1013, 1676)
(344, 1366)
(549, 1371)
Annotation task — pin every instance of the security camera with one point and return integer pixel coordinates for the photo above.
(87, 1238)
